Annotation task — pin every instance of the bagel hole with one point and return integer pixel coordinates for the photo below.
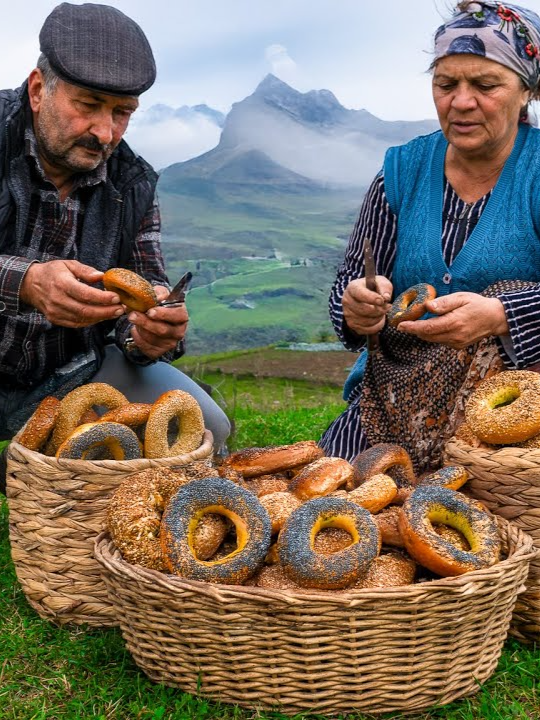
(173, 430)
(453, 536)
(330, 540)
(505, 397)
(216, 545)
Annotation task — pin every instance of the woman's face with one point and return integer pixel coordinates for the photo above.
(478, 102)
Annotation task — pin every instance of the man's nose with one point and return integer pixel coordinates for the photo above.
(102, 127)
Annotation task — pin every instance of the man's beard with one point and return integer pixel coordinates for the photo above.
(61, 154)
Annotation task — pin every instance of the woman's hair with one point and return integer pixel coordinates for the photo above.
(50, 78)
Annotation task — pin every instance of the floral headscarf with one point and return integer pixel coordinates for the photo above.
(507, 34)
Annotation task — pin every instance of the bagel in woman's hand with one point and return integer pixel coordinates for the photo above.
(134, 292)
(411, 304)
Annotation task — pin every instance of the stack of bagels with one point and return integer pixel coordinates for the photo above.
(71, 428)
(288, 517)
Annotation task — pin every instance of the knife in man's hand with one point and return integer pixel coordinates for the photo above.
(371, 284)
(177, 296)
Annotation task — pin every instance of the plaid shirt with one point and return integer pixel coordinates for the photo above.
(30, 346)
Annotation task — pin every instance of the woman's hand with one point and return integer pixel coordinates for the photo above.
(61, 290)
(160, 328)
(464, 318)
(364, 310)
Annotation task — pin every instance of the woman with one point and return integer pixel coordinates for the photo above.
(459, 209)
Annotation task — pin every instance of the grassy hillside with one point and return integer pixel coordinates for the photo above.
(263, 258)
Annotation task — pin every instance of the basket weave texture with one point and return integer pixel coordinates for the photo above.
(56, 509)
(507, 481)
(376, 650)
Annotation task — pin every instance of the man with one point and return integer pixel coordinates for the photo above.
(75, 200)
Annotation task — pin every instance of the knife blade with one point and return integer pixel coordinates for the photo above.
(178, 294)
(370, 273)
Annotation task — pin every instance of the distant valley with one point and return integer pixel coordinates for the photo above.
(262, 219)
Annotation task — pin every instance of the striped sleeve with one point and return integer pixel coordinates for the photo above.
(377, 221)
(523, 315)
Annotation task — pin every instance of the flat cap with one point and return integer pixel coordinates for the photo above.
(99, 48)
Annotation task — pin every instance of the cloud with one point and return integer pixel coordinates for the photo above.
(171, 139)
(281, 63)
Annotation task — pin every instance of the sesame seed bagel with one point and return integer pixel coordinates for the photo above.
(134, 514)
(375, 493)
(393, 569)
(263, 484)
(279, 505)
(255, 461)
(133, 414)
(322, 477)
(171, 405)
(134, 292)
(39, 427)
(505, 408)
(411, 304)
(429, 505)
(311, 569)
(79, 401)
(101, 441)
(221, 497)
(383, 458)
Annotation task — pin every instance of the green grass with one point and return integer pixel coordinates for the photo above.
(52, 673)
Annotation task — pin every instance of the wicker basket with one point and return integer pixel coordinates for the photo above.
(375, 650)
(56, 509)
(507, 480)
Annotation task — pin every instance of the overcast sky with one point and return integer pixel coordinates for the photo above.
(370, 54)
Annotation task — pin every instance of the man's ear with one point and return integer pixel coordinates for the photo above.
(36, 89)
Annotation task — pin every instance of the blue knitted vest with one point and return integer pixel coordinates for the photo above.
(505, 244)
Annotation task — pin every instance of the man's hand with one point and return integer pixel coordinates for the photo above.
(364, 310)
(464, 318)
(160, 328)
(61, 290)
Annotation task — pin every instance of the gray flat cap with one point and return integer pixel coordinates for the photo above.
(99, 48)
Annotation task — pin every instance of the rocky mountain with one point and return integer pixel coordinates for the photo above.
(309, 134)
(262, 219)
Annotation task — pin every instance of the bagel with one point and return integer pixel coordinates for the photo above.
(133, 414)
(429, 505)
(451, 476)
(173, 405)
(78, 402)
(134, 292)
(388, 523)
(101, 441)
(279, 505)
(263, 484)
(37, 430)
(311, 569)
(505, 408)
(322, 477)
(255, 461)
(222, 497)
(411, 304)
(375, 493)
(388, 459)
(393, 569)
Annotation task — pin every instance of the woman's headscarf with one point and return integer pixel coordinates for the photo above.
(507, 34)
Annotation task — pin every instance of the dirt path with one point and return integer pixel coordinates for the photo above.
(330, 368)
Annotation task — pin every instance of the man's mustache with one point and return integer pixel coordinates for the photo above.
(93, 144)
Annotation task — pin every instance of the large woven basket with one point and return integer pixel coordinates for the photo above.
(374, 650)
(56, 509)
(507, 481)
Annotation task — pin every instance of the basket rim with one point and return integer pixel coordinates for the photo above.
(495, 451)
(78, 466)
(114, 562)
